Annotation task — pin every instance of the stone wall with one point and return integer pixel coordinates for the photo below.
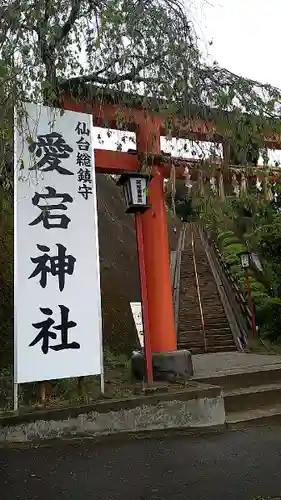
(178, 411)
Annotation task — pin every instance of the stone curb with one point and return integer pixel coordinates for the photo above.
(116, 437)
(201, 391)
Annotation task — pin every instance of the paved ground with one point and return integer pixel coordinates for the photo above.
(217, 363)
(233, 466)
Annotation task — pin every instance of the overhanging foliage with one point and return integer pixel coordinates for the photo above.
(144, 47)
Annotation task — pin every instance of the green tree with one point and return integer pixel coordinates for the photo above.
(6, 281)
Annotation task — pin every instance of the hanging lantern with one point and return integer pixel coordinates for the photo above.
(243, 183)
(187, 176)
(269, 196)
(258, 184)
(267, 188)
(235, 184)
(221, 187)
(245, 260)
(213, 185)
(135, 191)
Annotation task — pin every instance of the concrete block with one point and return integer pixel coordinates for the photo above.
(168, 365)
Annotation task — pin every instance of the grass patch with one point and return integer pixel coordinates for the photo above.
(69, 392)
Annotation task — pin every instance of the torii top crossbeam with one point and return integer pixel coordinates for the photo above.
(123, 111)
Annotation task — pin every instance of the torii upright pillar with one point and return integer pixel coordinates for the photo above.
(166, 358)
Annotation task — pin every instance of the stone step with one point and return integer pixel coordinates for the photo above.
(218, 341)
(260, 416)
(192, 311)
(196, 330)
(222, 348)
(217, 331)
(194, 350)
(210, 349)
(197, 325)
(249, 378)
(208, 331)
(210, 295)
(191, 346)
(196, 335)
(209, 303)
(210, 334)
(219, 328)
(209, 341)
(250, 398)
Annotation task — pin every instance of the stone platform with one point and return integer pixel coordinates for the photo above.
(219, 364)
(250, 383)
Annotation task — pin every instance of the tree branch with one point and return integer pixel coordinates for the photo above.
(47, 11)
(66, 28)
(112, 78)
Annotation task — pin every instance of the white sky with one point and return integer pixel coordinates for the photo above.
(245, 37)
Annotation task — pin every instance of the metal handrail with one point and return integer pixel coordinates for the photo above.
(198, 290)
(175, 274)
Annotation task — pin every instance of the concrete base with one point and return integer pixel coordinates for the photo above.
(168, 365)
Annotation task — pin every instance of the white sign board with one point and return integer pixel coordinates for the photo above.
(57, 283)
(138, 186)
(137, 315)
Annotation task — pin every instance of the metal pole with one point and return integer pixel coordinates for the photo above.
(144, 301)
(251, 302)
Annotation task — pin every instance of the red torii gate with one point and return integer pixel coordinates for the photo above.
(148, 127)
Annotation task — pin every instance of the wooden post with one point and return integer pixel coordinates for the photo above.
(42, 392)
(82, 392)
(156, 249)
(144, 302)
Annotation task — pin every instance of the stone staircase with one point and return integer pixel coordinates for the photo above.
(251, 397)
(202, 322)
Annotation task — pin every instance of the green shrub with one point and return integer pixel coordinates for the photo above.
(230, 240)
(225, 235)
(257, 286)
(6, 282)
(237, 271)
(231, 253)
(259, 298)
(268, 316)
